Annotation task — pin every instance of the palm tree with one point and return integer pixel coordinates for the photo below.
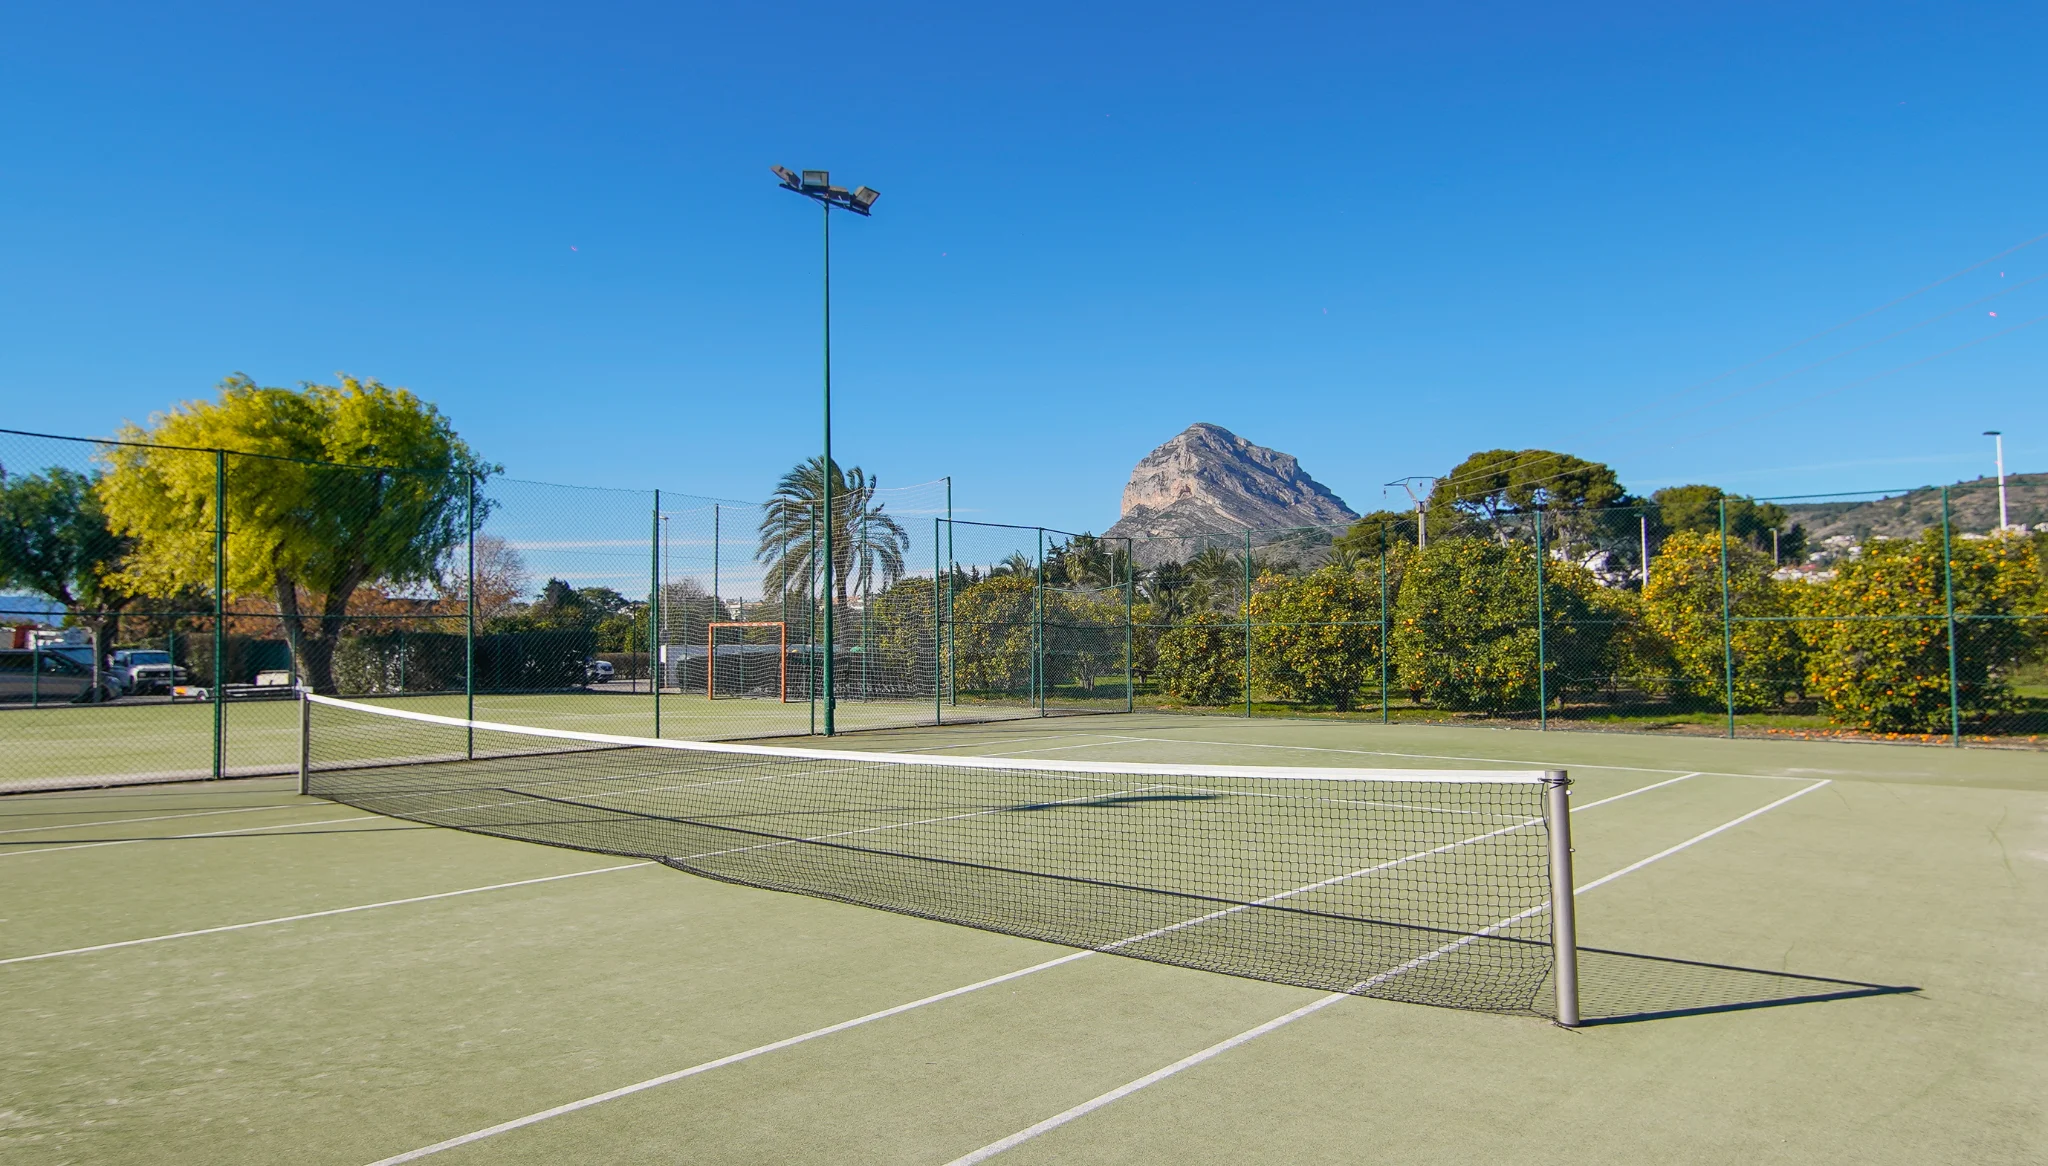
(1166, 589)
(866, 542)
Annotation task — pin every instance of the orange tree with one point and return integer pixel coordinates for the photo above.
(1201, 659)
(1682, 606)
(992, 633)
(1464, 626)
(1879, 635)
(1316, 637)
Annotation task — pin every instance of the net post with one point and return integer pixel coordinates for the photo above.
(305, 743)
(1564, 928)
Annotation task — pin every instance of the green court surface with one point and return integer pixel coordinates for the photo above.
(1808, 952)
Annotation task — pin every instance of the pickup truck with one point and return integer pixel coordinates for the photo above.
(138, 671)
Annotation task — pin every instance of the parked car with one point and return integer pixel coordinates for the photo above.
(139, 671)
(44, 677)
(597, 671)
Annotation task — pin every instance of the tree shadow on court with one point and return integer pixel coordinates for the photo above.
(1620, 987)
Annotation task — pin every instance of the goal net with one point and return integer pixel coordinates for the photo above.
(748, 659)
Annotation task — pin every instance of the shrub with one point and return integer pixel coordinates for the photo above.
(1464, 633)
(1682, 605)
(1317, 636)
(1879, 637)
(1201, 660)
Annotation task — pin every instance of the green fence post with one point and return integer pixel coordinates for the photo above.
(1948, 590)
(938, 634)
(469, 626)
(1727, 625)
(1385, 716)
(952, 638)
(1247, 622)
(1038, 626)
(1130, 598)
(654, 598)
(1542, 637)
(220, 611)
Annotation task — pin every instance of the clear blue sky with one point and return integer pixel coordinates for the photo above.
(1375, 237)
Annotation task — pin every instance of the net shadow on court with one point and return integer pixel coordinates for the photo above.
(1624, 987)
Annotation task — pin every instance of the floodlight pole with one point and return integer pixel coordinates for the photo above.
(1998, 438)
(817, 186)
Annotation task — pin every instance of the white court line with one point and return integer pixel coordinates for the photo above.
(160, 817)
(622, 1091)
(706, 1067)
(48, 955)
(176, 837)
(1456, 757)
(1245, 1037)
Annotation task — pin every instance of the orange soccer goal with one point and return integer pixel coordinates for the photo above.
(747, 659)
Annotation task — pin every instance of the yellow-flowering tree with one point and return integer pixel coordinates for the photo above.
(301, 530)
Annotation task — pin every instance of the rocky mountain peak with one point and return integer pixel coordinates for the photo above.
(1208, 480)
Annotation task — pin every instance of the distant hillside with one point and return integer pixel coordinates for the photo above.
(1973, 508)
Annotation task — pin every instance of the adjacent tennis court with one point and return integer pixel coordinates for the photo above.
(1776, 941)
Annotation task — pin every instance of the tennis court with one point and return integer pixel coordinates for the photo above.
(1778, 940)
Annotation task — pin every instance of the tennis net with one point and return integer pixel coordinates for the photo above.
(1427, 886)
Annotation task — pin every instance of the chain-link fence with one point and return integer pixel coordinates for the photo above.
(162, 606)
(1897, 615)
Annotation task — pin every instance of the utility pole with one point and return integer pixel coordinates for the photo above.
(1421, 506)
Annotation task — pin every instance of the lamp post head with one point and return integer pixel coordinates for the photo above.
(1994, 433)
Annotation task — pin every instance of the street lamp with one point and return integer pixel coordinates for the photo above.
(1998, 438)
(816, 185)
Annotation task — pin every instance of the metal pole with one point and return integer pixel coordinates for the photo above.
(1948, 590)
(656, 600)
(1643, 523)
(717, 611)
(1564, 926)
(469, 627)
(1542, 638)
(220, 611)
(952, 633)
(1247, 622)
(1130, 647)
(938, 632)
(811, 573)
(1038, 625)
(831, 596)
(1727, 624)
(1999, 440)
(1385, 717)
(305, 743)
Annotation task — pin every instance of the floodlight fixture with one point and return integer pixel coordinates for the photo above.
(817, 185)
